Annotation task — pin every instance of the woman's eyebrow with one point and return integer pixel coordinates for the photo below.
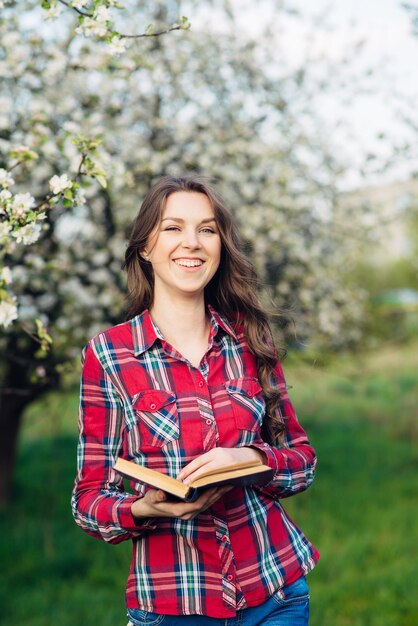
(180, 220)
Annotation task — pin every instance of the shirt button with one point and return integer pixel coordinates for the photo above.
(152, 406)
(201, 383)
(225, 539)
(208, 422)
(230, 577)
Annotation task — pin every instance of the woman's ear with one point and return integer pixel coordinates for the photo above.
(144, 255)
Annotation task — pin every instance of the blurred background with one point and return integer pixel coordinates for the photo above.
(304, 113)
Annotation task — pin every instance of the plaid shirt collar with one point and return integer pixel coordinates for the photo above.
(145, 332)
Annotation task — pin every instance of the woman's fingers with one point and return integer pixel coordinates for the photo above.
(199, 462)
(205, 501)
(212, 460)
(160, 506)
(217, 458)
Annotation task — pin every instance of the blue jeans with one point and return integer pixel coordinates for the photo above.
(292, 610)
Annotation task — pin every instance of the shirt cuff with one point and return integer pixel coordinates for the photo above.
(127, 521)
(271, 458)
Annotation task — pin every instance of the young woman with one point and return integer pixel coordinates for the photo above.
(192, 382)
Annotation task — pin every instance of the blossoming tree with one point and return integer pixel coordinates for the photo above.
(85, 129)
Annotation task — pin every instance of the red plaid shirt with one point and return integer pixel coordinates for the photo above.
(140, 399)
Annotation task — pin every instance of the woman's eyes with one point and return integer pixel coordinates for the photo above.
(203, 230)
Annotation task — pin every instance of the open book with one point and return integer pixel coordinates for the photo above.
(239, 475)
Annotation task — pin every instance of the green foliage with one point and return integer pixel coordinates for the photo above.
(399, 274)
(361, 415)
(383, 319)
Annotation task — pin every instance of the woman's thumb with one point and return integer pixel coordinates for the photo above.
(161, 496)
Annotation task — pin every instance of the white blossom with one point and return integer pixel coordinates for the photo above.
(117, 46)
(6, 275)
(11, 39)
(80, 197)
(71, 127)
(40, 371)
(6, 179)
(100, 258)
(5, 196)
(57, 184)
(27, 234)
(8, 313)
(90, 27)
(79, 4)
(35, 261)
(5, 229)
(102, 14)
(52, 13)
(4, 119)
(41, 129)
(22, 203)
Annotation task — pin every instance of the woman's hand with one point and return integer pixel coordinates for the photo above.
(155, 504)
(216, 459)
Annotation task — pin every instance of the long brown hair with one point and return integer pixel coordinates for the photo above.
(232, 291)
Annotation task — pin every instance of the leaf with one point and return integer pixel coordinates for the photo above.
(24, 155)
(102, 181)
(184, 23)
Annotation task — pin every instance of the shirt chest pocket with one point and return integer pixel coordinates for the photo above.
(248, 404)
(157, 417)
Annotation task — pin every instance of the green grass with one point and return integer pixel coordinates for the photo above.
(361, 413)
(362, 416)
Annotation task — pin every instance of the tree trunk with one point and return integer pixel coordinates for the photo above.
(11, 409)
(17, 391)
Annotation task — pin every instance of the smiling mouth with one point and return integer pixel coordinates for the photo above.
(188, 262)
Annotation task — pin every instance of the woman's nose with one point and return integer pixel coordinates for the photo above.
(191, 240)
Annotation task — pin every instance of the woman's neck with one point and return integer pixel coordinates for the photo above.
(181, 322)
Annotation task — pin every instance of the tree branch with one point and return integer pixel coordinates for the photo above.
(162, 32)
(79, 172)
(75, 9)
(30, 333)
(12, 167)
(122, 35)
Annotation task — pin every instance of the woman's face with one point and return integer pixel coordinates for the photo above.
(185, 248)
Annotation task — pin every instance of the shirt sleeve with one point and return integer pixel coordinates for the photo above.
(100, 505)
(294, 458)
